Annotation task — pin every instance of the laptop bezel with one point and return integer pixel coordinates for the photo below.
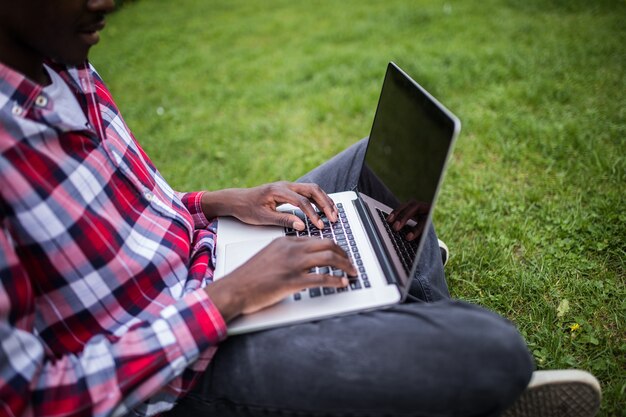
(392, 274)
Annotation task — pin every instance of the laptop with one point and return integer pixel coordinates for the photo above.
(408, 149)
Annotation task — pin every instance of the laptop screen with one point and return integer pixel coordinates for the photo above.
(409, 144)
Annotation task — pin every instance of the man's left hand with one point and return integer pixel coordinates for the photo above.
(258, 205)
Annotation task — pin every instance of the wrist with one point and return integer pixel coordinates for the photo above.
(224, 299)
(220, 203)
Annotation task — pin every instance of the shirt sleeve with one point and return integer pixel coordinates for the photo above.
(111, 374)
(192, 201)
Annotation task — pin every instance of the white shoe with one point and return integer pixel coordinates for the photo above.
(561, 393)
(445, 252)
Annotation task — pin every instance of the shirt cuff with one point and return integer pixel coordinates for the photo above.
(193, 202)
(196, 324)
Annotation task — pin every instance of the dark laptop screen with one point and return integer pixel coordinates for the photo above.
(409, 143)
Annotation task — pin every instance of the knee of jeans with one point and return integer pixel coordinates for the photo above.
(500, 361)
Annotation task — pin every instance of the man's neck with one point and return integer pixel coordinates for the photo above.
(23, 60)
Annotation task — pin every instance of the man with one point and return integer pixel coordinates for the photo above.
(107, 305)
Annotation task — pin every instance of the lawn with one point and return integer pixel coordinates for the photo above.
(239, 93)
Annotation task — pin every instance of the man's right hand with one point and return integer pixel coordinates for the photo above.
(407, 211)
(278, 270)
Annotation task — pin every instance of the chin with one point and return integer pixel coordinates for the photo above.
(73, 59)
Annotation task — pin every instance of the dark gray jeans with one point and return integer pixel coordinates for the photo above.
(431, 357)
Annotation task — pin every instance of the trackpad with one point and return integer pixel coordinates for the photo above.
(236, 254)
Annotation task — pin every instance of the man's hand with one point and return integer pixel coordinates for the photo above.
(278, 270)
(409, 210)
(258, 205)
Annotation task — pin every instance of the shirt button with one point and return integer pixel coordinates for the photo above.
(41, 101)
(17, 110)
(149, 196)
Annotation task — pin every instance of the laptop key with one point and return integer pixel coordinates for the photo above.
(297, 296)
(323, 270)
(315, 292)
(355, 285)
(328, 290)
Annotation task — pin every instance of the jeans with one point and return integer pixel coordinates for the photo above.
(432, 356)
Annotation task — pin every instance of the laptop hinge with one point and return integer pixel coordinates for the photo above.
(379, 249)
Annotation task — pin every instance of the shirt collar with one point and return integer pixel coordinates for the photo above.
(25, 98)
(17, 91)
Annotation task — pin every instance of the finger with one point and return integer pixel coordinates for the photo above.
(319, 197)
(397, 211)
(412, 234)
(304, 204)
(322, 252)
(281, 193)
(334, 257)
(313, 244)
(416, 231)
(283, 219)
(295, 222)
(323, 280)
(400, 221)
(405, 214)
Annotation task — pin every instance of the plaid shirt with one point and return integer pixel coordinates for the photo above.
(101, 262)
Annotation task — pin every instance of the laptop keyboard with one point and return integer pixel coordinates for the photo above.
(405, 249)
(341, 233)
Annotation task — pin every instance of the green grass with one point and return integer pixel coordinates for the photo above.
(239, 93)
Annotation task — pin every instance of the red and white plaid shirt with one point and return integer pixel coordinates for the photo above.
(101, 262)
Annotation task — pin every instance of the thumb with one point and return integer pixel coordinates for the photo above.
(285, 220)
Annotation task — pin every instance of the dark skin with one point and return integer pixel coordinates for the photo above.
(281, 268)
(32, 31)
(407, 211)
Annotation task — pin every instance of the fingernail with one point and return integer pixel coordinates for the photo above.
(298, 225)
(396, 226)
(344, 281)
(320, 224)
